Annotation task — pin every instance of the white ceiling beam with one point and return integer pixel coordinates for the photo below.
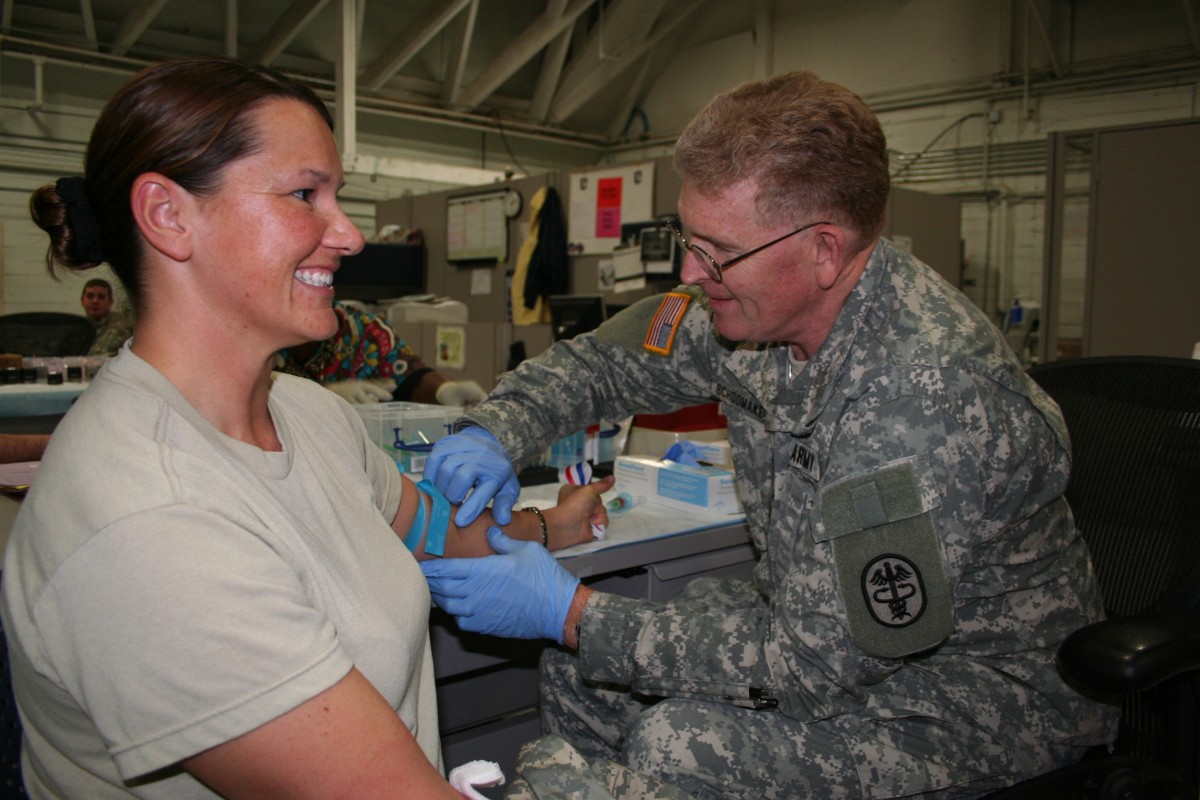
(528, 44)
(429, 24)
(294, 20)
(621, 116)
(1036, 16)
(231, 28)
(412, 169)
(552, 65)
(609, 47)
(346, 78)
(89, 25)
(459, 50)
(135, 22)
(1189, 17)
(609, 52)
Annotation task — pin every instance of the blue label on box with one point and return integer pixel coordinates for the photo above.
(687, 487)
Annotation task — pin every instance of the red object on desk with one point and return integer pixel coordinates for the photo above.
(706, 416)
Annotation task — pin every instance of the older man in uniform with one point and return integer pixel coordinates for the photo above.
(903, 482)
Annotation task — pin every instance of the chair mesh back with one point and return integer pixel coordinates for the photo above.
(46, 333)
(1134, 424)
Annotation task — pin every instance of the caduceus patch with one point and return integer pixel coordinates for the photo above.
(887, 557)
(893, 591)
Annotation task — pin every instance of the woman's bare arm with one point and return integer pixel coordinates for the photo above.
(344, 742)
(568, 523)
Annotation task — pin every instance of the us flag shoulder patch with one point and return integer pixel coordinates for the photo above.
(661, 334)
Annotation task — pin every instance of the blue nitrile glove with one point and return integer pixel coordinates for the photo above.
(684, 452)
(522, 593)
(473, 461)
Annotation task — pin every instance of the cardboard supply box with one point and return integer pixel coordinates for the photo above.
(706, 489)
(433, 310)
(716, 453)
(653, 434)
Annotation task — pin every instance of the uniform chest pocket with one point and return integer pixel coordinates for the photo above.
(889, 567)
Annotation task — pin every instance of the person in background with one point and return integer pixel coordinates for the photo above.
(366, 362)
(227, 600)
(113, 326)
(903, 483)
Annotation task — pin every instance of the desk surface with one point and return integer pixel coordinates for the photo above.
(644, 534)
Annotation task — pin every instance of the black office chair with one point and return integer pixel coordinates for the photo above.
(11, 785)
(1134, 424)
(46, 333)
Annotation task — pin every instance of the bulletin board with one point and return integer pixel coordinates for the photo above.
(476, 228)
(602, 199)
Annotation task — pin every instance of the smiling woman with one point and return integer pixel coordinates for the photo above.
(228, 601)
(275, 214)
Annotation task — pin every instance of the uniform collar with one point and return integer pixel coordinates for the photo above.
(804, 403)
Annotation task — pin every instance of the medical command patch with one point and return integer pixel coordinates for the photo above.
(888, 561)
(661, 333)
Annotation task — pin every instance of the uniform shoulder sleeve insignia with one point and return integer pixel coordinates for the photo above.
(891, 576)
(660, 335)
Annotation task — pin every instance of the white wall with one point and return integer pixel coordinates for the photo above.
(895, 51)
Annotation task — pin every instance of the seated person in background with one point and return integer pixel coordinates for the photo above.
(113, 325)
(229, 603)
(366, 362)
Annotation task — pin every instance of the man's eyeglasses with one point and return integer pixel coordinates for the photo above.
(711, 267)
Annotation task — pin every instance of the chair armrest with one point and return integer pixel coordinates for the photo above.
(1130, 654)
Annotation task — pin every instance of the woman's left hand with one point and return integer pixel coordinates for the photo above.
(578, 509)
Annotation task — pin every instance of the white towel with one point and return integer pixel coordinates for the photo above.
(475, 773)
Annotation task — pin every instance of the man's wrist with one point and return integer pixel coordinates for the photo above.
(575, 616)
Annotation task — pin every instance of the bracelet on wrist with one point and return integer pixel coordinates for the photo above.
(537, 512)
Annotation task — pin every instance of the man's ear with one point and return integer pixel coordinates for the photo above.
(830, 243)
(159, 205)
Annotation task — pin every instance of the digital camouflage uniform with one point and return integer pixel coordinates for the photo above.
(111, 332)
(919, 565)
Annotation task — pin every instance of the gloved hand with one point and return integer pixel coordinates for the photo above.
(473, 461)
(460, 393)
(522, 593)
(368, 391)
(684, 452)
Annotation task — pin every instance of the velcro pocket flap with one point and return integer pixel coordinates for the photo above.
(887, 557)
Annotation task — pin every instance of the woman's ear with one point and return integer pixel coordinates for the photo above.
(159, 205)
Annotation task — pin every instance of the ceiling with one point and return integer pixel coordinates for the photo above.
(550, 72)
(459, 91)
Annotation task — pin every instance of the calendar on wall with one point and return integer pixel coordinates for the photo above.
(476, 228)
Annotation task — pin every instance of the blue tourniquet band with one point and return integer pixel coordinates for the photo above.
(413, 539)
(439, 519)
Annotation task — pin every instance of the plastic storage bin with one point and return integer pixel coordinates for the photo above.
(407, 431)
(566, 452)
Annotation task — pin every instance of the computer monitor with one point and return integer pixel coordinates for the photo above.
(381, 271)
(573, 314)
